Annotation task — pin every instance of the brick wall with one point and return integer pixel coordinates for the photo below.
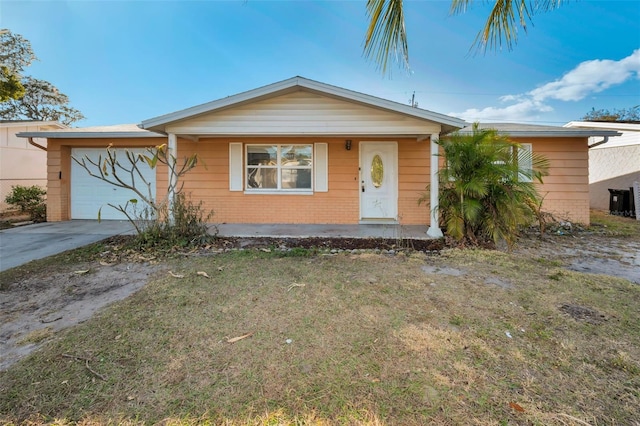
(566, 189)
(339, 205)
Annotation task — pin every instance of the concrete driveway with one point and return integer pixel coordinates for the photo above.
(26, 243)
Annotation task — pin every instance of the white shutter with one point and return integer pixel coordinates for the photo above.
(321, 167)
(525, 162)
(236, 164)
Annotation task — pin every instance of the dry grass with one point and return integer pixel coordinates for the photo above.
(614, 225)
(359, 339)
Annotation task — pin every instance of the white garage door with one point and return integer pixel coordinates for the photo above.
(89, 194)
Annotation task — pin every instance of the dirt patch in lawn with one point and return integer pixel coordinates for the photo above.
(35, 306)
(587, 252)
(279, 335)
(39, 301)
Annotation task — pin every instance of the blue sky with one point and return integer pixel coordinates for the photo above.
(124, 62)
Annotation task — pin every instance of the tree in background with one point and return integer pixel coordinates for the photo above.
(27, 97)
(41, 101)
(15, 55)
(386, 35)
(624, 115)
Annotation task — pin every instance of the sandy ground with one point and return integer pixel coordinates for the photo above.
(48, 302)
(595, 254)
(32, 309)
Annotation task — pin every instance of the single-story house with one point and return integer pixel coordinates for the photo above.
(304, 152)
(22, 163)
(614, 164)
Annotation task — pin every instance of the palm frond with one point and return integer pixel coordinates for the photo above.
(503, 22)
(386, 35)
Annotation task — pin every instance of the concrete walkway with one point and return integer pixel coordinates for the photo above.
(26, 243)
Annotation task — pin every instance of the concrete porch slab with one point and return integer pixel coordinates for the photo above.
(391, 231)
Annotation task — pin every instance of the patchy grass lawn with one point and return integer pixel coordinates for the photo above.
(608, 224)
(468, 337)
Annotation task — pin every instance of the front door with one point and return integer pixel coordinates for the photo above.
(379, 181)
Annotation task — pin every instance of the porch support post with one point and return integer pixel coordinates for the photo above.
(172, 155)
(434, 230)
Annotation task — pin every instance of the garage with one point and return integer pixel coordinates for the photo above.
(90, 194)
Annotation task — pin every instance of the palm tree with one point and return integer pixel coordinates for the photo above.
(386, 35)
(488, 186)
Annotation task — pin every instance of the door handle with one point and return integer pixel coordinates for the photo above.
(362, 186)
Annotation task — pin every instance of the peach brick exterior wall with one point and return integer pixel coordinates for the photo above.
(340, 205)
(566, 189)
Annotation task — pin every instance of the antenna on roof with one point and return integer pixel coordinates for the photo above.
(412, 101)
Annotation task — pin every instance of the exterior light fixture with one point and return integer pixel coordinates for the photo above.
(347, 144)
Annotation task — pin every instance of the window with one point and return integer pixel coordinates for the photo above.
(286, 168)
(525, 162)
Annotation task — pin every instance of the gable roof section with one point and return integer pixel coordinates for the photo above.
(534, 130)
(297, 84)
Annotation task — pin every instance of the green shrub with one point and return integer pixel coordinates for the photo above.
(30, 199)
(487, 190)
(188, 226)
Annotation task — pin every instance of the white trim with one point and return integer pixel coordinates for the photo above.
(434, 230)
(321, 167)
(61, 134)
(276, 192)
(172, 156)
(525, 147)
(537, 131)
(31, 123)
(279, 168)
(295, 84)
(236, 166)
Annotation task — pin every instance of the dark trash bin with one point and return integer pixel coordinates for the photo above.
(620, 202)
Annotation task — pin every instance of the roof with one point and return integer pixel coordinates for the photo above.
(534, 130)
(298, 84)
(629, 133)
(30, 123)
(608, 125)
(112, 132)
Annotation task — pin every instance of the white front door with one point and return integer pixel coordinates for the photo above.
(379, 181)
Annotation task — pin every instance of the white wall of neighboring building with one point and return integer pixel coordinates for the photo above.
(20, 162)
(612, 165)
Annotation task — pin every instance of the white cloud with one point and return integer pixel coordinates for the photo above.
(524, 110)
(587, 78)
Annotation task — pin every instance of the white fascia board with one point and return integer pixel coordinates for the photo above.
(562, 134)
(383, 103)
(89, 135)
(29, 123)
(528, 130)
(217, 104)
(603, 125)
(292, 83)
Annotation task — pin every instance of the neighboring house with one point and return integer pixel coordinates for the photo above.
(20, 162)
(300, 151)
(614, 164)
